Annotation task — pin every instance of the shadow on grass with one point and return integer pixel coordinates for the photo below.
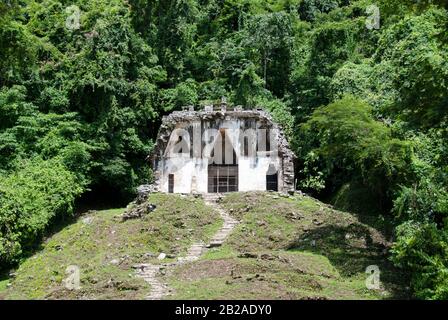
(4, 275)
(351, 249)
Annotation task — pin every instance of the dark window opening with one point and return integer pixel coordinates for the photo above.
(171, 183)
(272, 182)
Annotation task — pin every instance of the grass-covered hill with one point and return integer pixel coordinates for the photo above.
(285, 247)
(105, 249)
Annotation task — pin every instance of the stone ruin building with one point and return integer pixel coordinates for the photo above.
(218, 150)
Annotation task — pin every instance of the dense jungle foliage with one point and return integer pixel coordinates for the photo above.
(84, 84)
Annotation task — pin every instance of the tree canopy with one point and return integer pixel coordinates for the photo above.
(84, 84)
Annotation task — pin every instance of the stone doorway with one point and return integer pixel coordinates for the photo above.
(272, 179)
(223, 176)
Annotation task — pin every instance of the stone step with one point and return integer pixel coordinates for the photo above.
(221, 237)
(150, 272)
(214, 244)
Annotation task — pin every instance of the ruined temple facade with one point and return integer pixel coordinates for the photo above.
(219, 150)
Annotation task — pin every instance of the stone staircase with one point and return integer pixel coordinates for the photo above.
(193, 253)
(151, 273)
(212, 199)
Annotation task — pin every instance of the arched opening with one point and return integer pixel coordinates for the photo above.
(223, 171)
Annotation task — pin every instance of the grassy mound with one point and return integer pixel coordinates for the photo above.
(285, 247)
(105, 249)
(290, 248)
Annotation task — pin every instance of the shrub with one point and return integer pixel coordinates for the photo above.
(30, 199)
(422, 208)
(422, 249)
(342, 142)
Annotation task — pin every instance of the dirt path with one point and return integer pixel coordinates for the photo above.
(151, 272)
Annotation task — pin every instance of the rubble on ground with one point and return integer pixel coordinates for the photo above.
(135, 211)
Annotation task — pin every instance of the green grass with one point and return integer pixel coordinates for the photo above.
(105, 249)
(3, 284)
(286, 247)
(290, 248)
